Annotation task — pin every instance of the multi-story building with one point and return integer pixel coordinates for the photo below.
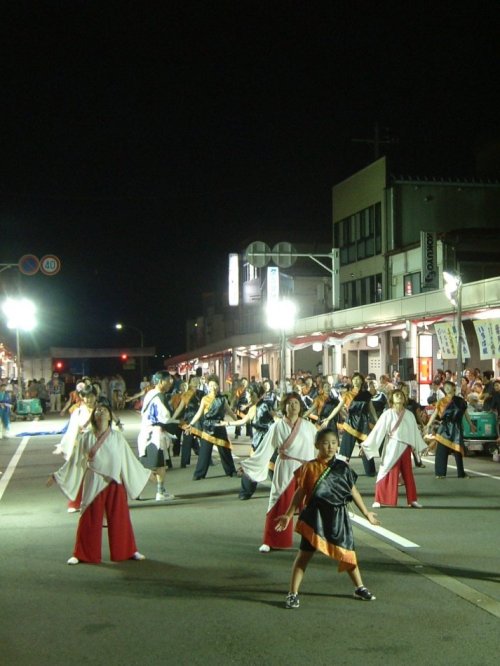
(394, 236)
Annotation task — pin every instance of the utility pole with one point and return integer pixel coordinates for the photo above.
(377, 141)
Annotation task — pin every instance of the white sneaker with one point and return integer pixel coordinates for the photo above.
(416, 505)
(264, 548)
(73, 560)
(376, 505)
(71, 509)
(138, 556)
(160, 497)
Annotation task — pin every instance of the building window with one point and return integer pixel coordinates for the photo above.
(362, 292)
(411, 284)
(359, 236)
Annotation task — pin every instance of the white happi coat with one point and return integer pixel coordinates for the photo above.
(78, 421)
(406, 434)
(114, 461)
(153, 412)
(291, 457)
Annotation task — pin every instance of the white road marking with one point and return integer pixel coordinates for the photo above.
(382, 532)
(469, 471)
(479, 599)
(7, 475)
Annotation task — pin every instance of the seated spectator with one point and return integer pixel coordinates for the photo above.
(473, 402)
(436, 393)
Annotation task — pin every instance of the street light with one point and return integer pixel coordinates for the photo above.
(453, 290)
(20, 313)
(119, 326)
(281, 316)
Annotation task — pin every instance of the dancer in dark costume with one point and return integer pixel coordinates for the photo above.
(449, 436)
(356, 427)
(322, 406)
(262, 417)
(188, 406)
(326, 485)
(212, 410)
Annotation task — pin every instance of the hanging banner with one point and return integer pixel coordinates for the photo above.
(488, 337)
(446, 334)
(495, 332)
(446, 340)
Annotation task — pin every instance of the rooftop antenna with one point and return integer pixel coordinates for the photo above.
(377, 141)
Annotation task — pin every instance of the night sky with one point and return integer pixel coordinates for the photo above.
(142, 144)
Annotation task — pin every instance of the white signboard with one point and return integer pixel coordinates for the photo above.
(447, 338)
(488, 336)
(273, 284)
(234, 280)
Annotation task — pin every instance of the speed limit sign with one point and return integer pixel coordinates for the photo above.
(50, 264)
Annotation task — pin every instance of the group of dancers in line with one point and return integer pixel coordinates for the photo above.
(311, 473)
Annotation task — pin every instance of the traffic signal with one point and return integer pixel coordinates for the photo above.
(124, 357)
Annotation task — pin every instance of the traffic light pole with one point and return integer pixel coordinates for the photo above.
(260, 259)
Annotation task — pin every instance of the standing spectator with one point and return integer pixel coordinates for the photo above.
(5, 407)
(492, 401)
(488, 380)
(293, 437)
(55, 388)
(397, 435)
(43, 395)
(118, 393)
(104, 463)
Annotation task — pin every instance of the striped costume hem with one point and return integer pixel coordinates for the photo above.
(208, 438)
(346, 558)
(448, 443)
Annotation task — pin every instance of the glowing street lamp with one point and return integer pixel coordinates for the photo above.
(281, 315)
(119, 326)
(20, 313)
(453, 291)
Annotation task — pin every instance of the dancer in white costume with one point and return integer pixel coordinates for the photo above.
(294, 438)
(397, 432)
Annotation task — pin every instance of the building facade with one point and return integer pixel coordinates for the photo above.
(395, 236)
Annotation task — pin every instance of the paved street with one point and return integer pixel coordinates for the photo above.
(206, 596)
